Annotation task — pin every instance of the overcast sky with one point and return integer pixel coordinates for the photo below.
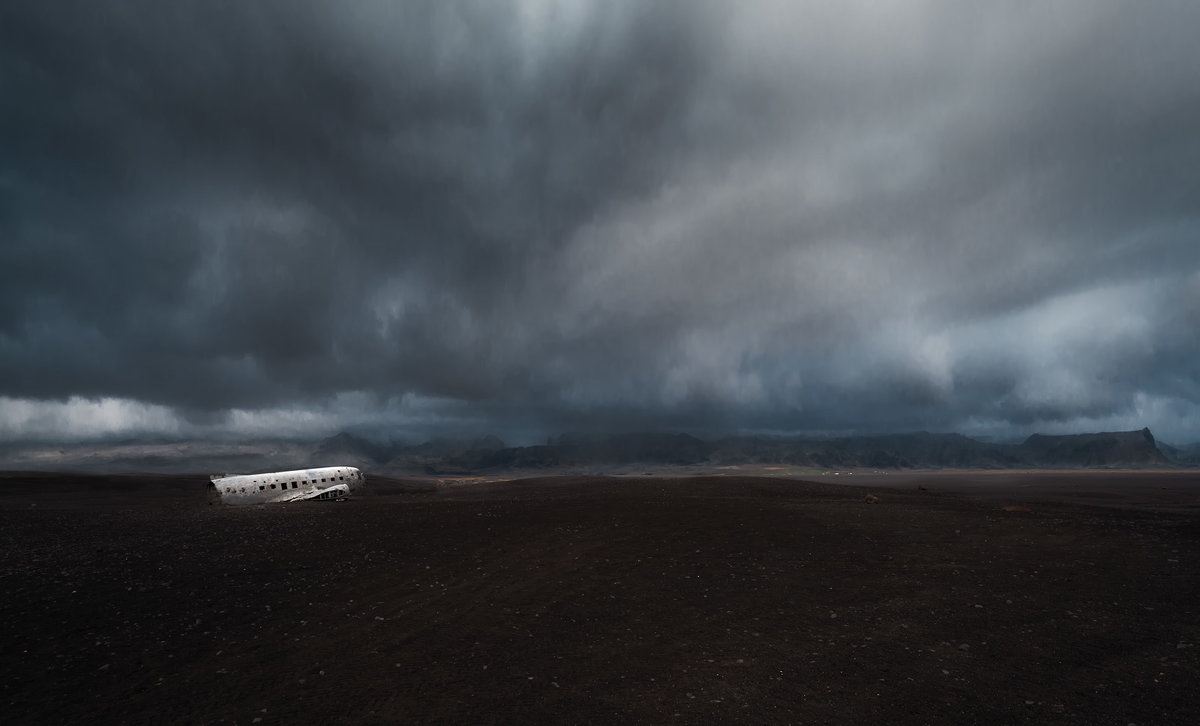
(276, 218)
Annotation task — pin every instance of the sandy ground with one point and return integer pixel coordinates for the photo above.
(601, 600)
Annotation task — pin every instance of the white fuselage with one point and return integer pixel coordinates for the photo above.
(327, 482)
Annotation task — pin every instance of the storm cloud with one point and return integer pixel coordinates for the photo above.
(531, 217)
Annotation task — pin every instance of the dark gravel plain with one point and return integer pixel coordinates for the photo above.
(130, 599)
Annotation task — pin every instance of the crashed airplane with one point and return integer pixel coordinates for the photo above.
(325, 483)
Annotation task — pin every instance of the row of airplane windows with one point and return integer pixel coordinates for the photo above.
(282, 485)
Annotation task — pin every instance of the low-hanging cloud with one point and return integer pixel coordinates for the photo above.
(527, 217)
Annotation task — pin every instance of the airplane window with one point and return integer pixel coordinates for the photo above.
(293, 485)
(261, 487)
(322, 480)
(272, 486)
(341, 478)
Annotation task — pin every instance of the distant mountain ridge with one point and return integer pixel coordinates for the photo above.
(1136, 448)
(1188, 455)
(570, 452)
(920, 450)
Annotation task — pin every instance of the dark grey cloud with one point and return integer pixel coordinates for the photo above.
(533, 216)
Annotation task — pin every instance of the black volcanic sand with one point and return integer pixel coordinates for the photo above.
(130, 599)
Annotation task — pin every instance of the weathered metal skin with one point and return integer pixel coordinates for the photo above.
(324, 483)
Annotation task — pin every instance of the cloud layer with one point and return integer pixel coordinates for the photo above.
(528, 217)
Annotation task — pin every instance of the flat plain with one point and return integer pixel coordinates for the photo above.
(914, 597)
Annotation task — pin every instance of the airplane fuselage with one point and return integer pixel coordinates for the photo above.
(324, 483)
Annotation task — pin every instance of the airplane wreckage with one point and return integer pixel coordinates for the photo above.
(323, 484)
